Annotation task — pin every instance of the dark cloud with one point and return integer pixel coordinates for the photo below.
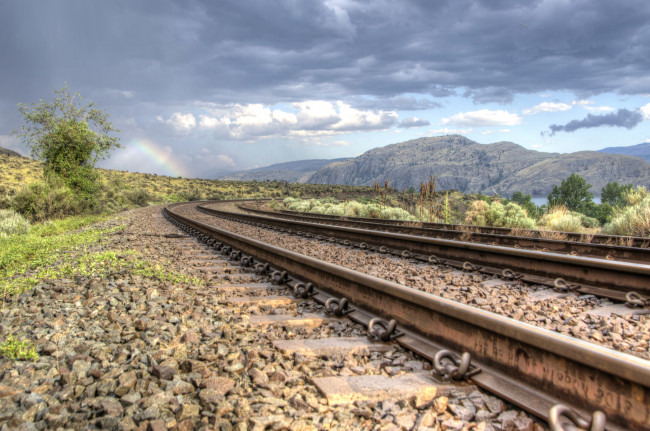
(396, 103)
(621, 118)
(413, 122)
(140, 60)
(257, 51)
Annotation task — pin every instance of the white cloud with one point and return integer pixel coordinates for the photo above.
(647, 141)
(505, 130)
(207, 122)
(226, 160)
(311, 118)
(582, 102)
(487, 132)
(450, 131)
(482, 118)
(645, 109)
(181, 123)
(547, 107)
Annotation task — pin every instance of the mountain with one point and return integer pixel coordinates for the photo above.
(640, 150)
(465, 165)
(298, 171)
(9, 152)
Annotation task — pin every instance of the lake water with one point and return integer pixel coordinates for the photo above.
(541, 200)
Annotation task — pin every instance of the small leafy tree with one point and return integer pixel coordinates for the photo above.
(572, 193)
(69, 137)
(526, 203)
(613, 193)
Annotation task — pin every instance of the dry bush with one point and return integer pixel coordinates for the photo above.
(559, 218)
(633, 220)
(551, 234)
(524, 233)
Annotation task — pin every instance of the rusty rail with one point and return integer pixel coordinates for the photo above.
(602, 246)
(529, 366)
(595, 276)
(631, 241)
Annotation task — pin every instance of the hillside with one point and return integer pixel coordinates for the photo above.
(8, 152)
(127, 188)
(640, 150)
(298, 171)
(597, 168)
(467, 166)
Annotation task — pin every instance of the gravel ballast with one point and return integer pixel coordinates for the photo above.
(128, 351)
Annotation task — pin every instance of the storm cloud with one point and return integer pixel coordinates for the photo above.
(159, 68)
(621, 118)
(261, 52)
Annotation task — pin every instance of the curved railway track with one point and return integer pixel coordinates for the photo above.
(529, 366)
(633, 249)
(605, 278)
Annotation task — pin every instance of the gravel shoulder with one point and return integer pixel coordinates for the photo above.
(151, 344)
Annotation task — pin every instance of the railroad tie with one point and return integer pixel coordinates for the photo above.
(348, 389)
(271, 300)
(331, 346)
(308, 320)
(247, 287)
(618, 309)
(207, 262)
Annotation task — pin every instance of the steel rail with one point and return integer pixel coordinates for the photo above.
(597, 276)
(502, 236)
(529, 366)
(630, 241)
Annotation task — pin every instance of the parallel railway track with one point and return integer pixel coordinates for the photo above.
(607, 278)
(527, 365)
(633, 249)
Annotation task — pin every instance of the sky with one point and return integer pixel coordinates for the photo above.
(200, 87)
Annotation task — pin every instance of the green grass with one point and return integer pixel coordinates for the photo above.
(105, 263)
(18, 350)
(63, 249)
(27, 258)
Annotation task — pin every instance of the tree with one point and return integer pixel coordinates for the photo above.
(573, 193)
(526, 203)
(69, 137)
(613, 193)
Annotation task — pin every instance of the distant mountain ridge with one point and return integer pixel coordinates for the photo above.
(298, 171)
(462, 164)
(640, 150)
(8, 152)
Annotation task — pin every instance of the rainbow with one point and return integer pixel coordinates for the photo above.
(165, 159)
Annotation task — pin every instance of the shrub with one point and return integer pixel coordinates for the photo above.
(12, 223)
(632, 221)
(588, 222)
(496, 214)
(561, 219)
(393, 213)
(46, 200)
(353, 209)
(634, 197)
(477, 213)
(139, 197)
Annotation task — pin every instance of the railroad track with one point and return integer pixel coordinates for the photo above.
(621, 281)
(629, 241)
(531, 367)
(632, 249)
